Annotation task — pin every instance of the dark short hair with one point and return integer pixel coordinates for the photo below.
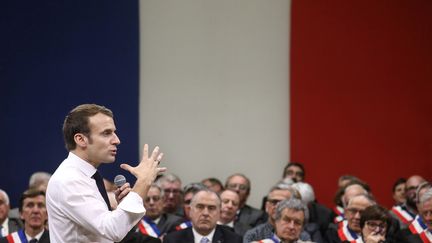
(300, 165)
(375, 212)
(193, 187)
(77, 121)
(30, 193)
(397, 183)
(214, 181)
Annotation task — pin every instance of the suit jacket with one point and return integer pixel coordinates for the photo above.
(405, 236)
(44, 238)
(221, 235)
(137, 237)
(251, 216)
(320, 215)
(168, 222)
(15, 224)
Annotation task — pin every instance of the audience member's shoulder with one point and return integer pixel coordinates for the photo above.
(229, 235)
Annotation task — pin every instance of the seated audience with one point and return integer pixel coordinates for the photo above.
(420, 229)
(295, 171)
(189, 190)
(7, 224)
(399, 192)
(290, 218)
(351, 189)
(374, 223)
(156, 222)
(277, 194)
(319, 215)
(39, 180)
(246, 214)
(213, 184)
(405, 213)
(204, 214)
(230, 204)
(34, 215)
(351, 230)
(171, 184)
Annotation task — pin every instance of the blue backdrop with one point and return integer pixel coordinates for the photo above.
(55, 55)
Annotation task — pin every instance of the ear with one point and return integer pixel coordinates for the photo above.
(81, 140)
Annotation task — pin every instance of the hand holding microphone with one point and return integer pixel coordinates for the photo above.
(123, 188)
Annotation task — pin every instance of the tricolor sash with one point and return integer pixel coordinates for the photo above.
(148, 227)
(426, 236)
(184, 225)
(346, 234)
(342, 223)
(405, 216)
(17, 237)
(417, 226)
(339, 211)
(273, 239)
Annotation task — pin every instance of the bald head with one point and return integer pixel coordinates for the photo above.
(411, 186)
(352, 191)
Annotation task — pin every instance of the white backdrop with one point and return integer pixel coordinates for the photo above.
(214, 91)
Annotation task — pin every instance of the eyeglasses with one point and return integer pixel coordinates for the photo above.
(241, 187)
(173, 191)
(374, 226)
(273, 201)
(154, 198)
(354, 211)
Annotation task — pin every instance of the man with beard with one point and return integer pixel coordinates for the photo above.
(405, 213)
(34, 214)
(204, 213)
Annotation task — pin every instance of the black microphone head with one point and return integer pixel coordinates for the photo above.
(119, 180)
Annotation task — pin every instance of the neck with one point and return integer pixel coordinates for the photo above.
(225, 221)
(32, 232)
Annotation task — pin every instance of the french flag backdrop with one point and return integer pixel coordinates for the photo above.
(356, 91)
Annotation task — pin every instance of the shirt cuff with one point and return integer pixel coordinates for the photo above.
(132, 203)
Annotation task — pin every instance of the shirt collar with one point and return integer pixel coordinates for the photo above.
(198, 236)
(37, 237)
(82, 165)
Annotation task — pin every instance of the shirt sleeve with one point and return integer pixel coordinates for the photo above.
(83, 204)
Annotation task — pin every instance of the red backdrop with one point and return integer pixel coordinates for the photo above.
(361, 92)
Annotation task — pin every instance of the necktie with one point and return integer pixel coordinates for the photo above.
(33, 241)
(204, 240)
(100, 185)
(1, 231)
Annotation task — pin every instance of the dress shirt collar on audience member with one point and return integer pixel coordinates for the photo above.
(198, 236)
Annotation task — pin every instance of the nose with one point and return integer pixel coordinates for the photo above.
(116, 139)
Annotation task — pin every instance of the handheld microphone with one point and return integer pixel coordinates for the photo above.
(119, 180)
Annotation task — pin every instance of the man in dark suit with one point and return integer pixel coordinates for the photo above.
(34, 214)
(415, 233)
(246, 214)
(156, 222)
(8, 224)
(204, 214)
(230, 204)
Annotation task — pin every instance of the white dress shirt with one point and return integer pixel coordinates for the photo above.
(77, 211)
(198, 236)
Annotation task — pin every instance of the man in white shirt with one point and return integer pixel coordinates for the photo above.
(76, 198)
